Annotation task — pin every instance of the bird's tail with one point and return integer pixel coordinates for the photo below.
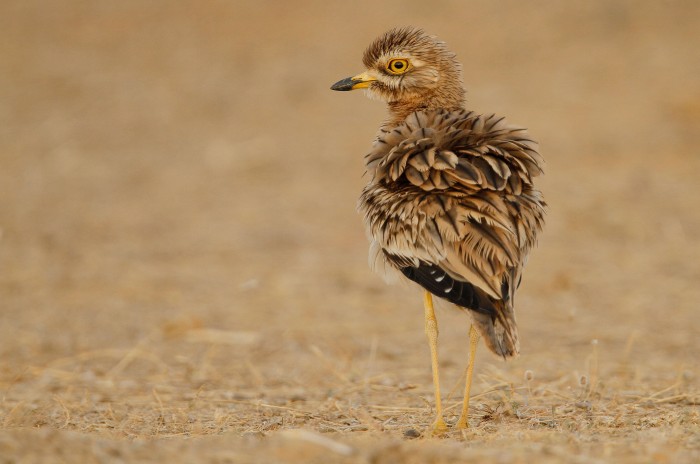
(499, 331)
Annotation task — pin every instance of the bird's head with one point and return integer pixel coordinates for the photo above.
(410, 70)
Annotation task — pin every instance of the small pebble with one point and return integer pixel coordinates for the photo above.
(411, 433)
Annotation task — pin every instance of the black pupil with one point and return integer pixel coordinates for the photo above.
(398, 65)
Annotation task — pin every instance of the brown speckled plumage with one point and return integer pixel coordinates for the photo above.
(451, 202)
(454, 190)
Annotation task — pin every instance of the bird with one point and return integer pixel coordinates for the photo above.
(450, 203)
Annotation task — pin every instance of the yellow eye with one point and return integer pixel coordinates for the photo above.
(397, 66)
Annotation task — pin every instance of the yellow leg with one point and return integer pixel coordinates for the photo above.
(431, 330)
(473, 343)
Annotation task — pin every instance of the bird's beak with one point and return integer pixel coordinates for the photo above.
(360, 81)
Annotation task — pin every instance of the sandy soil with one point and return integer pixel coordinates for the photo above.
(183, 274)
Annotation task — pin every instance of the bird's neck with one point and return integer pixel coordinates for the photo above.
(399, 110)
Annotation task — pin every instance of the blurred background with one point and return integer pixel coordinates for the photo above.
(174, 172)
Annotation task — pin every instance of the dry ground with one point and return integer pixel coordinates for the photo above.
(183, 275)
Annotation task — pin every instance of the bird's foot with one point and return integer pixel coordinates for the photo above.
(462, 423)
(439, 427)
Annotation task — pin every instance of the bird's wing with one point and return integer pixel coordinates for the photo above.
(455, 192)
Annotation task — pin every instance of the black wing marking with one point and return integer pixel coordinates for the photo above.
(440, 284)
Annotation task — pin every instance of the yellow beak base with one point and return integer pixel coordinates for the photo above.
(361, 81)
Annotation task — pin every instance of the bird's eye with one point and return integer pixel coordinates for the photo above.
(397, 66)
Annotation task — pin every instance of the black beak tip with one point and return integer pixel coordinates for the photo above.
(343, 85)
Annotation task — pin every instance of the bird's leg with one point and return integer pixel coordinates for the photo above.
(473, 343)
(431, 330)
